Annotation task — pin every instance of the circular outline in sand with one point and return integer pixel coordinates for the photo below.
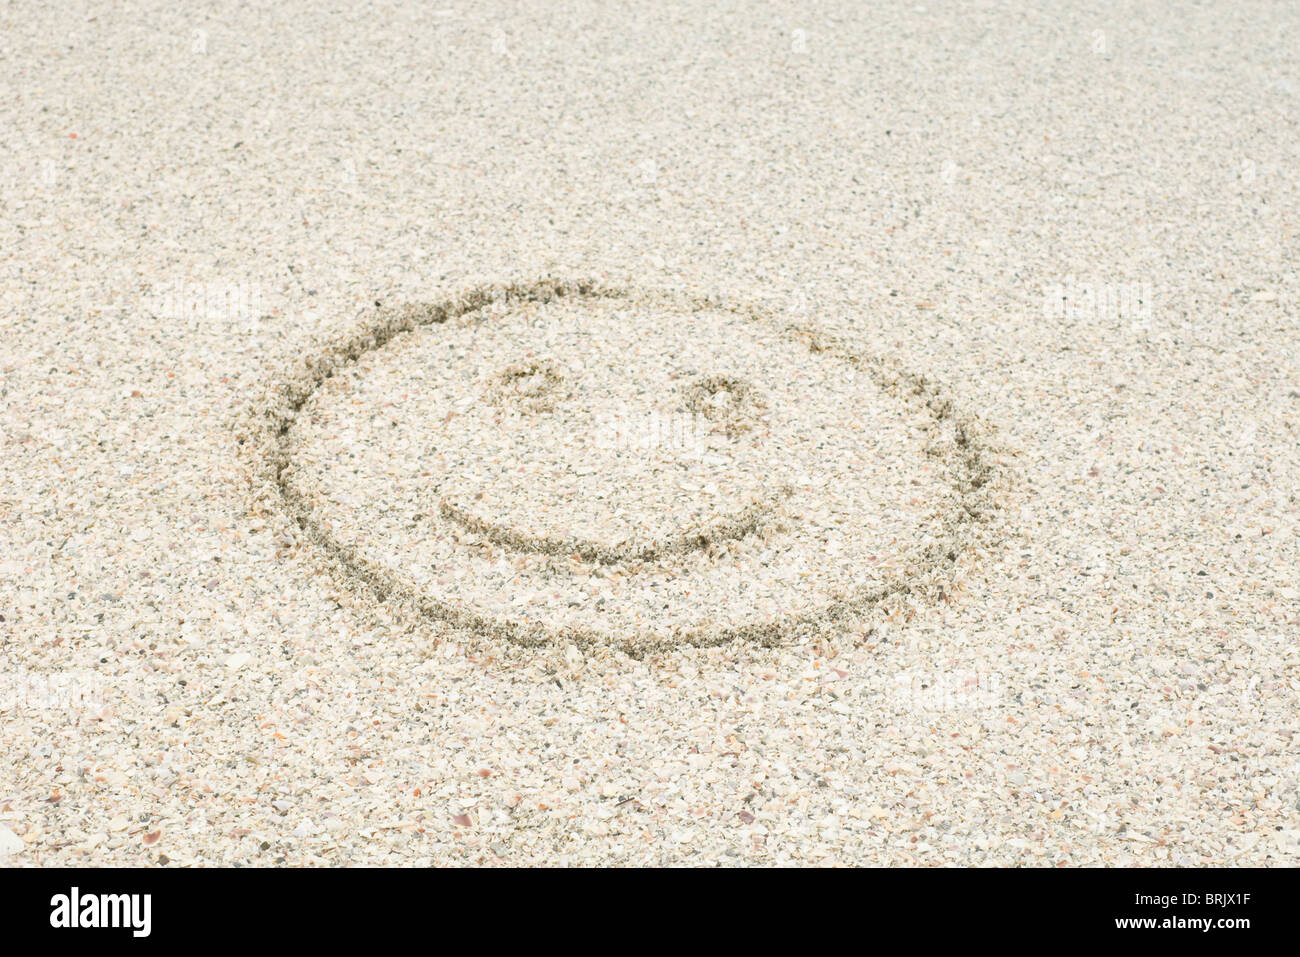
(968, 455)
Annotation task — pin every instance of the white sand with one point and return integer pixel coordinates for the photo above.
(1106, 672)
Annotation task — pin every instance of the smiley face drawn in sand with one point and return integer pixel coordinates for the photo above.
(567, 462)
(583, 455)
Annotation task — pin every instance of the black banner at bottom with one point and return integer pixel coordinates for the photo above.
(936, 907)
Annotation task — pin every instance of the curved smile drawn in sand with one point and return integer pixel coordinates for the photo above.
(564, 461)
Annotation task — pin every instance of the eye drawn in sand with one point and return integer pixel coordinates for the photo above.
(530, 386)
(570, 462)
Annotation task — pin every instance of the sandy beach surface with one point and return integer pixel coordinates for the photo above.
(647, 433)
